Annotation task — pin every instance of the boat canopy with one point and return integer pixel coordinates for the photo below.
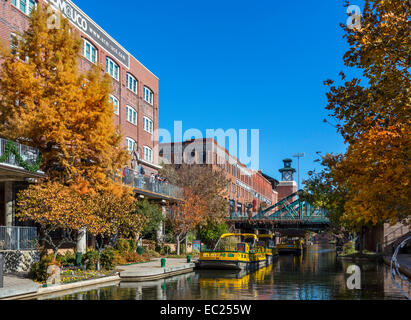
(265, 236)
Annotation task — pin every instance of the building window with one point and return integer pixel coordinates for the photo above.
(148, 95)
(25, 6)
(112, 68)
(147, 154)
(148, 125)
(130, 144)
(116, 104)
(13, 46)
(131, 115)
(89, 51)
(131, 83)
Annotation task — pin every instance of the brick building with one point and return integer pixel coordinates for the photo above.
(135, 88)
(247, 190)
(135, 107)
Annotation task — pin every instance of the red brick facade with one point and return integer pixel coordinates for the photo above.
(247, 189)
(13, 20)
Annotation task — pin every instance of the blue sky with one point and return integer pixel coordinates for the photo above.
(239, 64)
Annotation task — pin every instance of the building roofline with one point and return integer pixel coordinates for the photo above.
(105, 33)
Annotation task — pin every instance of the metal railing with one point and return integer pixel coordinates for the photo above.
(18, 238)
(138, 181)
(28, 154)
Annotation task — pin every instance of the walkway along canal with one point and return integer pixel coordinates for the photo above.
(316, 275)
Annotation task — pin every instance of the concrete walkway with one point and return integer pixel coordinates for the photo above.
(152, 270)
(16, 285)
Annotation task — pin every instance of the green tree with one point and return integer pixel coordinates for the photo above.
(154, 216)
(211, 231)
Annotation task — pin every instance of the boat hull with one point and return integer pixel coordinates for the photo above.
(231, 265)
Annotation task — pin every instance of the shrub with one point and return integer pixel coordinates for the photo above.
(90, 259)
(38, 270)
(182, 248)
(153, 253)
(67, 260)
(132, 257)
(123, 246)
(348, 248)
(107, 259)
(132, 245)
(165, 250)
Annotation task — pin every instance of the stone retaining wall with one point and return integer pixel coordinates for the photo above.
(19, 261)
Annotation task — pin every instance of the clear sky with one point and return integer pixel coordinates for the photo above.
(239, 64)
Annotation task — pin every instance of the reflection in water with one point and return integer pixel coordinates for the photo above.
(315, 275)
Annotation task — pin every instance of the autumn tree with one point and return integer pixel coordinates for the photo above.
(57, 208)
(203, 187)
(187, 215)
(204, 182)
(118, 214)
(47, 103)
(373, 114)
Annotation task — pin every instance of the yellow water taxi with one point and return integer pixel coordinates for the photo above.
(291, 245)
(266, 243)
(234, 251)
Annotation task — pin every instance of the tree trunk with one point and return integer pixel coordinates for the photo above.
(186, 244)
(82, 241)
(361, 240)
(178, 245)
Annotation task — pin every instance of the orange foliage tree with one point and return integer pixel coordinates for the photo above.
(55, 207)
(119, 213)
(374, 119)
(187, 215)
(47, 103)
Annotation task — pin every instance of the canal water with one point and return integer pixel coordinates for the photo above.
(315, 275)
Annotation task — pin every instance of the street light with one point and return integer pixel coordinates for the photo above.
(299, 155)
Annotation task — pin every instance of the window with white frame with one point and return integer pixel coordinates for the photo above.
(130, 144)
(13, 46)
(148, 125)
(116, 104)
(131, 115)
(147, 154)
(112, 68)
(89, 51)
(148, 95)
(25, 6)
(132, 83)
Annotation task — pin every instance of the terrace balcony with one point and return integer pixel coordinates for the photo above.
(18, 162)
(153, 189)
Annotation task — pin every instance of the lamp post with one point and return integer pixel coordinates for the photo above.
(299, 155)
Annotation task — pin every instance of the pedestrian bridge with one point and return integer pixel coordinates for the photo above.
(292, 212)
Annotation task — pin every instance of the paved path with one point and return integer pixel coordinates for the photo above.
(15, 285)
(153, 270)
